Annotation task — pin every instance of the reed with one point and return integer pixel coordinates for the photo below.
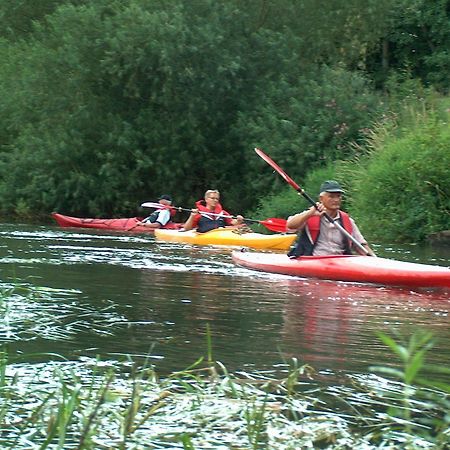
(420, 395)
(93, 404)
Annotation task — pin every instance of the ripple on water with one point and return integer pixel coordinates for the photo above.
(30, 312)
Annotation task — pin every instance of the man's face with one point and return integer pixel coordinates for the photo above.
(212, 200)
(331, 200)
(165, 202)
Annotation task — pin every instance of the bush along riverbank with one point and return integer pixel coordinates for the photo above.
(94, 404)
(397, 183)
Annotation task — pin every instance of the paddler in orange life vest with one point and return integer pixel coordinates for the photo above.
(316, 235)
(208, 214)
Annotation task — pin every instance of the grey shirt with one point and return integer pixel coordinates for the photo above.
(330, 241)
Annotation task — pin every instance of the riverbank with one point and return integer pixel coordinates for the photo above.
(443, 237)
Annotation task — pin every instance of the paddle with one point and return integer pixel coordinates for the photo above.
(301, 192)
(272, 224)
(138, 224)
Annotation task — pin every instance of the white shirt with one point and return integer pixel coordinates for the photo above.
(163, 217)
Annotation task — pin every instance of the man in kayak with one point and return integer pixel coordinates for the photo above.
(316, 235)
(209, 214)
(161, 217)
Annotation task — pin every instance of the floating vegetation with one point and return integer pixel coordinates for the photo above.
(92, 404)
(28, 312)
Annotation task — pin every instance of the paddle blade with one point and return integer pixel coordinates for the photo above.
(275, 166)
(152, 205)
(275, 224)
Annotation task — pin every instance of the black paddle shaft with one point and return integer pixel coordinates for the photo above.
(331, 220)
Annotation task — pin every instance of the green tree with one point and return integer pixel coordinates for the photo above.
(17, 16)
(111, 101)
(416, 43)
(310, 123)
(107, 103)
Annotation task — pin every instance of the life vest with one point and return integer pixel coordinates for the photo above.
(307, 237)
(206, 221)
(153, 217)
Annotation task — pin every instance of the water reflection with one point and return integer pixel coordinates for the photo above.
(336, 324)
(163, 295)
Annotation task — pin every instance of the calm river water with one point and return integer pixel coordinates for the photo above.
(85, 293)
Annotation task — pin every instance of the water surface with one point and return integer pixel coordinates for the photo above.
(88, 293)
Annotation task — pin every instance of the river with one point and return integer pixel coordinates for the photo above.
(80, 294)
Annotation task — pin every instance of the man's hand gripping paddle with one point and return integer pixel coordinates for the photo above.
(301, 192)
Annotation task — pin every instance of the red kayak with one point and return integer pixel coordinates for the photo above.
(108, 224)
(362, 269)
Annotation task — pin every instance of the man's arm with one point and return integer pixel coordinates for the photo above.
(161, 220)
(191, 222)
(298, 221)
(163, 217)
(238, 220)
(360, 238)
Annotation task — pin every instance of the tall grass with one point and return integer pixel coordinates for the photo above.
(400, 184)
(96, 404)
(418, 395)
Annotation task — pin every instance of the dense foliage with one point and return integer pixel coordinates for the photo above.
(107, 104)
(402, 186)
(416, 42)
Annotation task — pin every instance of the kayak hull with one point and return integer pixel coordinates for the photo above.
(124, 224)
(362, 269)
(228, 236)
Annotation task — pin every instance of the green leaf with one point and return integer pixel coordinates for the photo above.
(413, 366)
(389, 371)
(401, 351)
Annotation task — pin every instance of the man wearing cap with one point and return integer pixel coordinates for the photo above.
(161, 217)
(318, 236)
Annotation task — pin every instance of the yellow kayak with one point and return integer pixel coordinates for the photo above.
(228, 236)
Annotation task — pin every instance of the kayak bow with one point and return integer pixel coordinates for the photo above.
(125, 224)
(362, 269)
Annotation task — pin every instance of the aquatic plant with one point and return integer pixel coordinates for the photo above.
(423, 398)
(95, 404)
